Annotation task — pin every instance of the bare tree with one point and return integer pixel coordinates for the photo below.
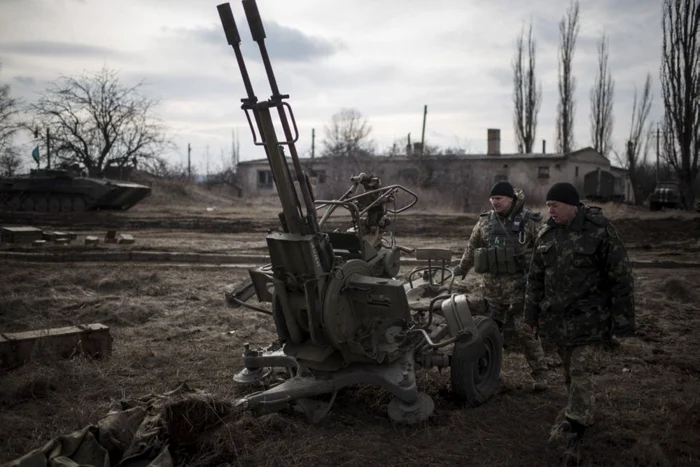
(9, 109)
(527, 95)
(347, 135)
(680, 86)
(568, 32)
(98, 122)
(601, 97)
(10, 161)
(639, 141)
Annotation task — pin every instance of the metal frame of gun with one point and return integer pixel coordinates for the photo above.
(293, 221)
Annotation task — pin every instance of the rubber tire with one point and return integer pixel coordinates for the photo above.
(472, 382)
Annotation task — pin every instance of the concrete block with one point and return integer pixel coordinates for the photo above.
(126, 239)
(92, 240)
(23, 234)
(18, 348)
(56, 236)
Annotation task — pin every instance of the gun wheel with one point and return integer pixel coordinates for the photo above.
(475, 368)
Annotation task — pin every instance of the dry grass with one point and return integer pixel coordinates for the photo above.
(170, 327)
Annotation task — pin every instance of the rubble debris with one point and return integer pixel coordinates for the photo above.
(111, 236)
(92, 240)
(22, 234)
(54, 236)
(125, 239)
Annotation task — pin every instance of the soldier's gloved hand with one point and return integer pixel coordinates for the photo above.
(457, 271)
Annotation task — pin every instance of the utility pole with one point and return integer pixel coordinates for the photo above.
(422, 138)
(313, 142)
(189, 161)
(207, 165)
(48, 148)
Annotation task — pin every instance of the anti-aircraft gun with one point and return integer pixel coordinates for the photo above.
(341, 316)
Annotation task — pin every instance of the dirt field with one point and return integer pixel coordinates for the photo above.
(170, 325)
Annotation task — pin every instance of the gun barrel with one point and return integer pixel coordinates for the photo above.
(263, 120)
(229, 24)
(256, 27)
(254, 21)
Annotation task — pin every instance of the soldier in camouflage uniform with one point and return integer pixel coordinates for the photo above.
(499, 248)
(579, 295)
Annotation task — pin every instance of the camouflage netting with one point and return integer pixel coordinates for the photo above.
(139, 432)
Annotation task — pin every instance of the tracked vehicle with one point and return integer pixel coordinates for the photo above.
(55, 190)
(341, 315)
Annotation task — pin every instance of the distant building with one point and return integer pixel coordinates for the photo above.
(472, 174)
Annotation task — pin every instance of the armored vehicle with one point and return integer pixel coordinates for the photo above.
(666, 195)
(57, 190)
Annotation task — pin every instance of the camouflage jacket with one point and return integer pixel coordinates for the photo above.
(502, 288)
(580, 284)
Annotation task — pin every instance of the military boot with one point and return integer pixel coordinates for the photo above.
(572, 453)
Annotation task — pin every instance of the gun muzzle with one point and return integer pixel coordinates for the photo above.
(229, 24)
(254, 20)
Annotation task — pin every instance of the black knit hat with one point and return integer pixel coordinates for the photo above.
(564, 192)
(503, 189)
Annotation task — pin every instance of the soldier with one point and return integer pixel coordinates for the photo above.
(499, 248)
(579, 295)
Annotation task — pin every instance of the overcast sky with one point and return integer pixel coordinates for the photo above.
(386, 58)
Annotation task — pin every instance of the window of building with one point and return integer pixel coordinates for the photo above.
(501, 178)
(558, 166)
(265, 179)
(321, 176)
(505, 166)
(577, 171)
(543, 172)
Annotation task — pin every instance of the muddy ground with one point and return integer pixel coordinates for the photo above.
(170, 325)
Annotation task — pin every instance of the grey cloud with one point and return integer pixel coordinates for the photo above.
(55, 48)
(283, 43)
(25, 80)
(502, 75)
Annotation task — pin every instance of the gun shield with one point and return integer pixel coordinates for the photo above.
(229, 24)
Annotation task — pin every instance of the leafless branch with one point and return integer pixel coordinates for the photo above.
(568, 32)
(680, 86)
(601, 98)
(527, 95)
(99, 122)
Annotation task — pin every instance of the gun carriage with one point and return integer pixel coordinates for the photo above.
(341, 315)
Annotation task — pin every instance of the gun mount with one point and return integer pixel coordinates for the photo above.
(341, 316)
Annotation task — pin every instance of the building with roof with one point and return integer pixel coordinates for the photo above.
(468, 176)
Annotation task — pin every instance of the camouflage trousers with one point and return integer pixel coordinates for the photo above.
(504, 314)
(580, 362)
